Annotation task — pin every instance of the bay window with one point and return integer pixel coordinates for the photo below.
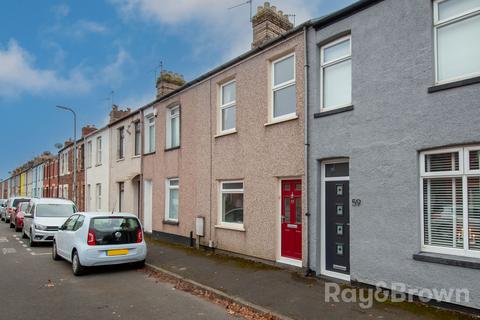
(456, 29)
(450, 185)
(336, 74)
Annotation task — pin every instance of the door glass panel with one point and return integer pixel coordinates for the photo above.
(339, 209)
(339, 249)
(339, 229)
(339, 189)
(298, 186)
(336, 170)
(286, 186)
(286, 202)
(298, 210)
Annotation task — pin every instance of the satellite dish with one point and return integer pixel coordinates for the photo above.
(58, 145)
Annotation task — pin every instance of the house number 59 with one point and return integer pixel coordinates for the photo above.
(356, 202)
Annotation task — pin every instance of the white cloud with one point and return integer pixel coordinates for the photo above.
(229, 30)
(87, 26)
(19, 75)
(61, 10)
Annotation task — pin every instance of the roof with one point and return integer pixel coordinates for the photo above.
(343, 13)
(132, 113)
(51, 201)
(71, 145)
(108, 214)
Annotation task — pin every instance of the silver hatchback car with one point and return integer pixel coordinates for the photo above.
(94, 239)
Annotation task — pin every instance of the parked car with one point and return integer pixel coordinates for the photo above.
(16, 220)
(43, 218)
(12, 205)
(93, 239)
(3, 206)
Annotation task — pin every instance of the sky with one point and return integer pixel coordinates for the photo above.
(76, 53)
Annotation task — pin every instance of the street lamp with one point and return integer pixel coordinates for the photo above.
(74, 150)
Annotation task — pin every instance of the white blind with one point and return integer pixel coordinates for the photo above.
(474, 213)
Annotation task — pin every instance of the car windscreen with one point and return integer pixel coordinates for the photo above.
(16, 202)
(115, 230)
(54, 210)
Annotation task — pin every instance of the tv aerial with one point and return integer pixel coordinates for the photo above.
(249, 2)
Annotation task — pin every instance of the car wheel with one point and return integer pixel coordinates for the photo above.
(77, 267)
(31, 242)
(24, 235)
(55, 255)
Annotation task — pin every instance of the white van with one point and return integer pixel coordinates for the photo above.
(44, 217)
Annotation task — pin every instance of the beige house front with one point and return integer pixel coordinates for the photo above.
(229, 148)
(125, 160)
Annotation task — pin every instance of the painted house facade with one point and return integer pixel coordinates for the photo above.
(97, 170)
(394, 157)
(125, 161)
(229, 149)
(50, 178)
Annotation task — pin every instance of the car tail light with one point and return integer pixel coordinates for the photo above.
(139, 236)
(91, 241)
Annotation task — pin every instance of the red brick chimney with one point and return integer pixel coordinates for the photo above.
(87, 130)
(68, 142)
(268, 23)
(168, 82)
(116, 113)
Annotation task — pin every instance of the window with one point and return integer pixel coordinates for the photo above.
(121, 139)
(89, 197)
(456, 26)
(99, 196)
(138, 140)
(450, 186)
(99, 151)
(228, 107)
(171, 199)
(173, 127)
(336, 74)
(149, 133)
(89, 154)
(283, 88)
(65, 191)
(121, 196)
(231, 207)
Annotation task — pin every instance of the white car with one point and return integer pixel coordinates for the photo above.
(11, 206)
(3, 207)
(43, 218)
(89, 239)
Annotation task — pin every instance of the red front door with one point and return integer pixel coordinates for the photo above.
(292, 219)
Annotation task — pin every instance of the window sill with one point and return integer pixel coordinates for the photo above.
(280, 120)
(225, 133)
(171, 222)
(149, 153)
(456, 261)
(173, 148)
(121, 159)
(98, 165)
(135, 157)
(454, 84)
(233, 228)
(333, 111)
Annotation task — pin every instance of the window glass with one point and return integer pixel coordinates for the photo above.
(55, 210)
(283, 70)
(284, 101)
(474, 213)
(173, 127)
(451, 8)
(474, 160)
(229, 118)
(337, 170)
(337, 88)
(232, 185)
(115, 230)
(228, 93)
(442, 162)
(79, 223)
(232, 202)
(137, 138)
(458, 54)
(151, 134)
(337, 51)
(173, 203)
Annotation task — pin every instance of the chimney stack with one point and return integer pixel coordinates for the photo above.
(168, 82)
(87, 130)
(68, 142)
(268, 23)
(116, 113)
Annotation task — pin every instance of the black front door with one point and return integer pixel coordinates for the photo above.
(337, 227)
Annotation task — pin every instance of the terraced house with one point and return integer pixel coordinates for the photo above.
(394, 91)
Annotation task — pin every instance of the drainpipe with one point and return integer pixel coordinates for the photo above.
(309, 271)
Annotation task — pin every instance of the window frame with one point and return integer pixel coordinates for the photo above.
(437, 24)
(98, 196)
(283, 85)
(89, 153)
(463, 173)
(227, 105)
(121, 143)
(137, 144)
(168, 188)
(148, 124)
(221, 192)
(337, 61)
(121, 195)
(168, 134)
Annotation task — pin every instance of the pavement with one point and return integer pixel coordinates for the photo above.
(286, 293)
(33, 286)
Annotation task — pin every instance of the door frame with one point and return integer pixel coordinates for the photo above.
(323, 270)
(280, 258)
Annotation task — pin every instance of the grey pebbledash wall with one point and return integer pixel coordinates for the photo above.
(393, 119)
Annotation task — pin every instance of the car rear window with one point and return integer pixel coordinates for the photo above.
(16, 202)
(115, 230)
(55, 210)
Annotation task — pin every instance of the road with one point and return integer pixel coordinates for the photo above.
(33, 286)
